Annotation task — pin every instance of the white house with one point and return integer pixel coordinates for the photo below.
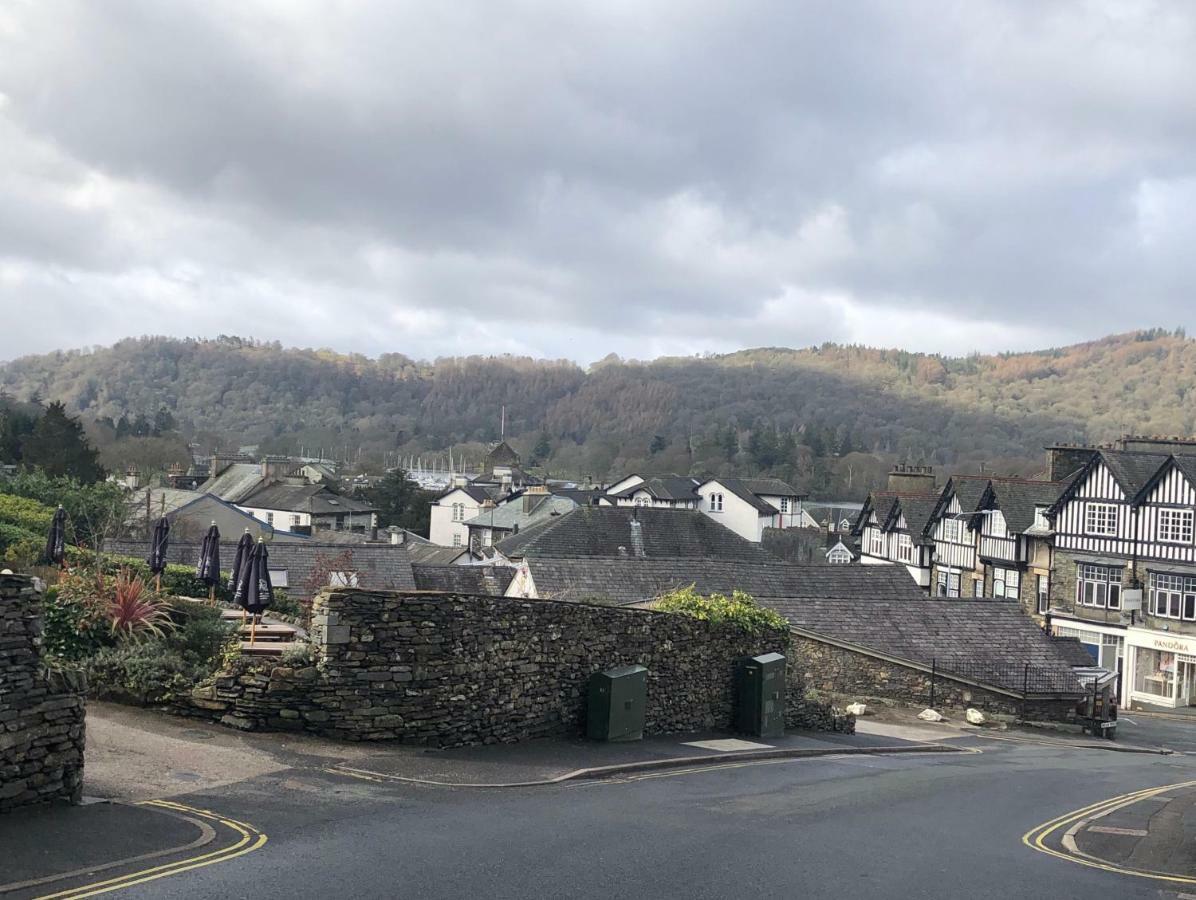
(749, 505)
(452, 510)
(658, 491)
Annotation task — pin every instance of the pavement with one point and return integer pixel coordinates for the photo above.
(900, 809)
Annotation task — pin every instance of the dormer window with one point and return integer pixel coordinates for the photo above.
(1040, 519)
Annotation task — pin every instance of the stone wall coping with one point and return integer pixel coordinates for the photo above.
(922, 667)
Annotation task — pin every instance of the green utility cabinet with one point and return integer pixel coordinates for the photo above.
(618, 700)
(760, 695)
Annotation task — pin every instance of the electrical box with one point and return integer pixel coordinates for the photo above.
(617, 704)
(760, 695)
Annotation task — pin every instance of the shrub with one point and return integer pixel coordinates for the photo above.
(20, 547)
(302, 654)
(200, 634)
(147, 672)
(25, 513)
(76, 622)
(136, 613)
(739, 609)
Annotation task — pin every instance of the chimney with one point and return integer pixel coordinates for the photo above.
(909, 479)
(132, 478)
(397, 535)
(1064, 460)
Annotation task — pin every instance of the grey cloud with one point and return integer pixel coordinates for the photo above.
(574, 179)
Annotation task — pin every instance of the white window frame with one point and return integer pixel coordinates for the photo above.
(458, 512)
(1172, 596)
(1043, 590)
(784, 504)
(948, 584)
(1175, 526)
(1098, 587)
(269, 518)
(457, 539)
(1101, 519)
(296, 519)
(953, 530)
(1040, 519)
(905, 548)
(716, 502)
(1007, 583)
(996, 524)
(876, 544)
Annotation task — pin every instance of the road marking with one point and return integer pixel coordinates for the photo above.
(1035, 838)
(251, 839)
(726, 745)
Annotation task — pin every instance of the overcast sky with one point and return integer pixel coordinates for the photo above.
(573, 179)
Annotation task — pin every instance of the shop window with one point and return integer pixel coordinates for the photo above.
(1154, 673)
(1172, 596)
(1098, 586)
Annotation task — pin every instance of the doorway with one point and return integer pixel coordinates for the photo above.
(1187, 681)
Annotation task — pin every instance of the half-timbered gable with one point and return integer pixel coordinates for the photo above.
(1096, 514)
(1166, 513)
(954, 571)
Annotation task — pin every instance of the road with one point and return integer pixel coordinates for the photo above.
(942, 826)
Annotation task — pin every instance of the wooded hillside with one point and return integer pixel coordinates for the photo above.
(830, 418)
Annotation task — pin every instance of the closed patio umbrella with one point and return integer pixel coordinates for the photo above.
(254, 591)
(56, 541)
(158, 546)
(240, 560)
(208, 568)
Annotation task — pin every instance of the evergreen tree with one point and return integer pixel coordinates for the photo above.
(123, 428)
(163, 421)
(400, 501)
(59, 447)
(141, 426)
(15, 427)
(658, 444)
(542, 450)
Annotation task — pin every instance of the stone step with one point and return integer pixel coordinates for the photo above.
(266, 648)
(269, 632)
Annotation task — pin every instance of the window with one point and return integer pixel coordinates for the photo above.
(1040, 519)
(953, 531)
(1175, 526)
(641, 501)
(456, 540)
(296, 519)
(996, 524)
(905, 548)
(947, 584)
(1044, 593)
(1100, 518)
(1006, 583)
(1173, 596)
(784, 504)
(877, 543)
(978, 587)
(458, 512)
(269, 518)
(716, 502)
(1098, 586)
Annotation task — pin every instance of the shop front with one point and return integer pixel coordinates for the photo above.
(1163, 668)
(1106, 644)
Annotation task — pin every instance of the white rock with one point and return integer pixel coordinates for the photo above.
(930, 715)
(856, 709)
(975, 716)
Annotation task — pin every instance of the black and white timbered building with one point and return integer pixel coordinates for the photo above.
(1124, 571)
(893, 528)
(955, 572)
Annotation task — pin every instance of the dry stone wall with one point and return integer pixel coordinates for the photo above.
(451, 669)
(41, 715)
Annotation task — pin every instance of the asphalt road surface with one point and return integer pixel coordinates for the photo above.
(942, 826)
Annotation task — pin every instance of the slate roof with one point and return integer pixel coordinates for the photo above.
(510, 514)
(235, 482)
(1132, 470)
(434, 554)
(488, 581)
(309, 498)
(477, 492)
(664, 487)
(1017, 500)
(625, 581)
(613, 531)
(378, 566)
(739, 487)
(772, 487)
(989, 642)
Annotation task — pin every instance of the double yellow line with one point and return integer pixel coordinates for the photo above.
(250, 839)
(1036, 837)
